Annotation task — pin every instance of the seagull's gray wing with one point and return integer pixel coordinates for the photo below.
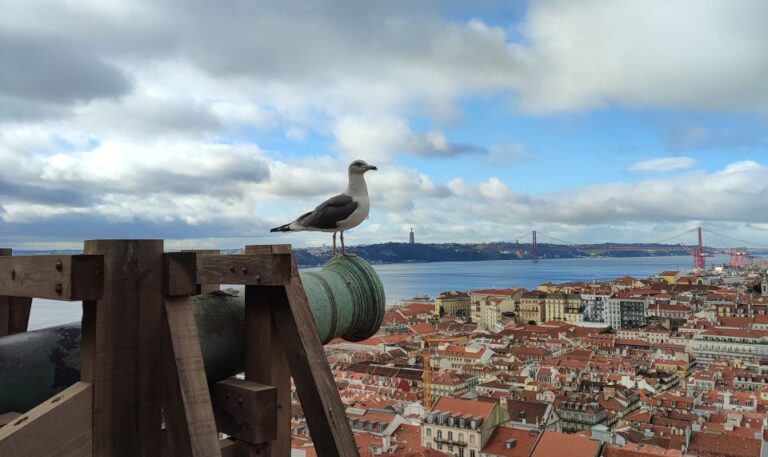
(329, 213)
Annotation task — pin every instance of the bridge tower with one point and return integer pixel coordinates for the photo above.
(534, 254)
(699, 263)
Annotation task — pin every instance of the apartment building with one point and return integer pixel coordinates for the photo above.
(563, 307)
(461, 427)
(743, 347)
(532, 307)
(452, 303)
(623, 311)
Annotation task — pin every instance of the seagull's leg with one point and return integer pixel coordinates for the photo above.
(343, 252)
(334, 243)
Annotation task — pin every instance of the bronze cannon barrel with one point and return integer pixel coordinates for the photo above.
(346, 297)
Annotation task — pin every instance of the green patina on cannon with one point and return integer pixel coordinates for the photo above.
(346, 297)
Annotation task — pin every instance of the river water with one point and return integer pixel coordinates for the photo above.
(406, 280)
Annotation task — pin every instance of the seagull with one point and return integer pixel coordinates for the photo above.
(342, 212)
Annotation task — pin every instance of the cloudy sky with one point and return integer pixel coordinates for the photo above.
(206, 122)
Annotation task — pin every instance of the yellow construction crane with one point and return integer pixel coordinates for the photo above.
(426, 356)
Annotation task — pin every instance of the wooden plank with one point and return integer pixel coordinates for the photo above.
(61, 425)
(245, 410)
(230, 448)
(18, 314)
(206, 288)
(265, 356)
(57, 277)
(120, 353)
(180, 273)
(5, 315)
(189, 420)
(88, 341)
(14, 311)
(268, 249)
(8, 417)
(258, 269)
(314, 381)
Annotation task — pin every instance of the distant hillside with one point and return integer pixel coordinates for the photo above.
(447, 252)
(455, 252)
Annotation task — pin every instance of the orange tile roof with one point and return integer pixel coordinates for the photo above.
(464, 407)
(497, 443)
(413, 309)
(710, 445)
(736, 333)
(423, 328)
(640, 450)
(553, 444)
(426, 452)
(408, 435)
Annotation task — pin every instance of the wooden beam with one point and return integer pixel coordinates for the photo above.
(121, 343)
(61, 425)
(206, 288)
(5, 315)
(18, 314)
(186, 272)
(8, 417)
(245, 410)
(259, 269)
(68, 277)
(231, 448)
(314, 381)
(14, 311)
(180, 273)
(265, 356)
(189, 420)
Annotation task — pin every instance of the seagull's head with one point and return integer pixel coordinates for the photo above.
(358, 167)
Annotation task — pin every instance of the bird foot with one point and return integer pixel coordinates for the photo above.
(348, 254)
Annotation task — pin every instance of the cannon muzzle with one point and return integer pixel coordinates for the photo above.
(346, 297)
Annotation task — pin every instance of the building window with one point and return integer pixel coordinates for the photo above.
(439, 433)
(429, 432)
(472, 439)
(450, 436)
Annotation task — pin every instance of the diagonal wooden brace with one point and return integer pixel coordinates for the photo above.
(326, 417)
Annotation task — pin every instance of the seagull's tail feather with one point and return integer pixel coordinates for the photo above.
(295, 226)
(282, 228)
(291, 227)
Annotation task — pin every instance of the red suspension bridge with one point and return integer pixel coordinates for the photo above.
(738, 256)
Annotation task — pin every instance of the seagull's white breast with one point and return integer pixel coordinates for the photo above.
(358, 216)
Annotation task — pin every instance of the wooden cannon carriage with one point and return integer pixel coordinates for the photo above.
(142, 389)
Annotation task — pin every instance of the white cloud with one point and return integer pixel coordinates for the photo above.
(664, 164)
(645, 53)
(136, 128)
(380, 138)
(494, 189)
